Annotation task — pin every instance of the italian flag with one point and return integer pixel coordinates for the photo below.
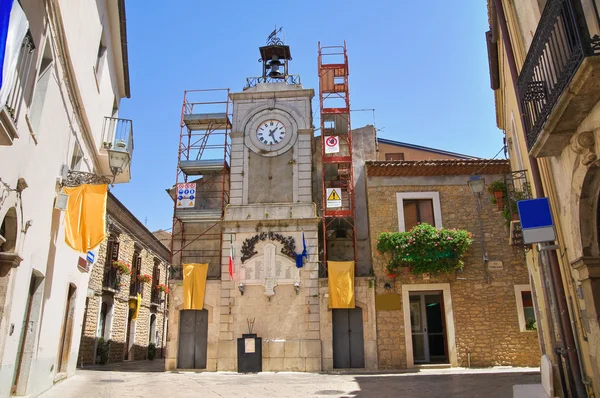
(231, 256)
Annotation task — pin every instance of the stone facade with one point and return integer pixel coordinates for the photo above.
(133, 239)
(564, 154)
(485, 325)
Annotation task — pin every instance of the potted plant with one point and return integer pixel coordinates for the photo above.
(144, 278)
(498, 191)
(424, 249)
(163, 288)
(122, 267)
(120, 144)
(107, 145)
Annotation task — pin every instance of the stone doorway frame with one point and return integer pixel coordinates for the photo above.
(448, 312)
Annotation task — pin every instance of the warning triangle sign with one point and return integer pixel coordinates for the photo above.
(333, 195)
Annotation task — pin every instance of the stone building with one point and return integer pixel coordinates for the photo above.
(544, 70)
(65, 73)
(262, 202)
(112, 297)
(476, 317)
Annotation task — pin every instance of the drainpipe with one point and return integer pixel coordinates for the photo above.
(567, 336)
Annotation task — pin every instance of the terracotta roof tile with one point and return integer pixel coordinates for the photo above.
(437, 167)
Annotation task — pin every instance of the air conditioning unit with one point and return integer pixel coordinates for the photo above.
(61, 201)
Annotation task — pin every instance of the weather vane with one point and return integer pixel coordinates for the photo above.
(273, 40)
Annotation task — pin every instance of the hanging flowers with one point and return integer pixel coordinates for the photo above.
(424, 249)
(122, 267)
(163, 288)
(144, 278)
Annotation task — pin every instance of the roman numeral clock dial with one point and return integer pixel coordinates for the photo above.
(270, 132)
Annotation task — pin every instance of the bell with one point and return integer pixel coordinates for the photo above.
(274, 66)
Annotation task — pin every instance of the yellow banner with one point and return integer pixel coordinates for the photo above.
(194, 286)
(341, 284)
(138, 304)
(85, 218)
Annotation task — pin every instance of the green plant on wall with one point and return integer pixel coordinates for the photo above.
(424, 249)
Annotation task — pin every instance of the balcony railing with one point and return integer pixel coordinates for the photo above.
(560, 44)
(253, 81)
(117, 134)
(155, 297)
(136, 287)
(19, 84)
(111, 279)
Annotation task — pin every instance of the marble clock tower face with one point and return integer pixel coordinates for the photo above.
(271, 132)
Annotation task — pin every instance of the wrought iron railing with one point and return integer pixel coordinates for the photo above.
(19, 83)
(111, 279)
(288, 79)
(155, 297)
(560, 44)
(136, 287)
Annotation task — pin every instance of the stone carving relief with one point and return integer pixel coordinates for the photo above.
(269, 269)
(584, 144)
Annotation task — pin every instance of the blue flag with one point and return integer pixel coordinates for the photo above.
(300, 257)
(5, 7)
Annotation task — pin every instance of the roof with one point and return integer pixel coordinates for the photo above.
(437, 167)
(125, 53)
(126, 218)
(424, 148)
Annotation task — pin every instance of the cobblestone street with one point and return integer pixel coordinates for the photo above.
(123, 380)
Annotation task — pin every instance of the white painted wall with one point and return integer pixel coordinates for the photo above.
(42, 247)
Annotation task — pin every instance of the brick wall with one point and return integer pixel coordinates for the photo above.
(485, 314)
(120, 299)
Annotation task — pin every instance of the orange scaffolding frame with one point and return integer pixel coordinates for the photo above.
(334, 101)
(204, 151)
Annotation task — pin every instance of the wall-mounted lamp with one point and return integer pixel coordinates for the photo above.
(241, 287)
(297, 287)
(387, 286)
(477, 184)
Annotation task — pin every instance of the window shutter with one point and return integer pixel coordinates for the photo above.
(114, 251)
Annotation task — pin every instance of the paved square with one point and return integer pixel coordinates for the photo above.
(145, 379)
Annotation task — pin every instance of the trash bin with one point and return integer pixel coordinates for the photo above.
(249, 348)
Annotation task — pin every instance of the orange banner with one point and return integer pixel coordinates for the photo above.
(85, 218)
(341, 284)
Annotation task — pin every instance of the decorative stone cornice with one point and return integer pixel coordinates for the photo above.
(588, 267)
(584, 144)
(11, 260)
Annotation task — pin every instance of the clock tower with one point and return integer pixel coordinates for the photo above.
(269, 221)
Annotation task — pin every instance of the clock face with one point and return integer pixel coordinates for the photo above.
(270, 132)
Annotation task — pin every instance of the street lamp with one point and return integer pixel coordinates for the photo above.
(118, 159)
(476, 183)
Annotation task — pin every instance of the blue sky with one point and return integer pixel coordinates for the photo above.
(422, 66)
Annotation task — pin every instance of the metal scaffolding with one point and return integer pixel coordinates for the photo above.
(336, 152)
(201, 189)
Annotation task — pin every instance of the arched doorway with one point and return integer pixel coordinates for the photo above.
(587, 265)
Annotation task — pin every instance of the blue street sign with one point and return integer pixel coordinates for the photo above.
(90, 257)
(536, 221)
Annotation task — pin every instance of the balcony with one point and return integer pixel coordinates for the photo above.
(155, 296)
(11, 102)
(559, 83)
(117, 144)
(111, 280)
